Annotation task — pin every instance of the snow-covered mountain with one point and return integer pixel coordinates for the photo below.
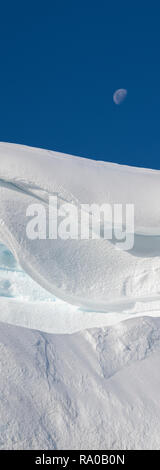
(78, 376)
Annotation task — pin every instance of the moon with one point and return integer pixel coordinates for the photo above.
(119, 95)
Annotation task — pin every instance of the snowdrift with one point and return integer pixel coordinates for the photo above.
(98, 388)
(23, 302)
(88, 273)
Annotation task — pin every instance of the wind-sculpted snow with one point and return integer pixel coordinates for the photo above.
(23, 302)
(88, 273)
(98, 389)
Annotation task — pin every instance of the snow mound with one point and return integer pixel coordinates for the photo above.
(88, 273)
(96, 389)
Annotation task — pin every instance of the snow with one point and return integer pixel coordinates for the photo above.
(83, 373)
(87, 273)
(20, 296)
(97, 389)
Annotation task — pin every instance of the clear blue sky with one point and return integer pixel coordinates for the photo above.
(61, 61)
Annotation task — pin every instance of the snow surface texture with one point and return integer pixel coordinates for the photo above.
(97, 389)
(88, 273)
(20, 296)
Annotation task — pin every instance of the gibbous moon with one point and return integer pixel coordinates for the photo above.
(119, 95)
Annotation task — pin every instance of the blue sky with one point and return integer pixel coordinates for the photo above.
(61, 61)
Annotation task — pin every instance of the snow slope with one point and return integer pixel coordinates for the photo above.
(98, 389)
(99, 386)
(88, 273)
